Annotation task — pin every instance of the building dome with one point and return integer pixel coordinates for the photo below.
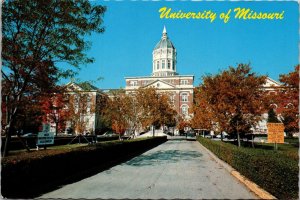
(164, 43)
(164, 57)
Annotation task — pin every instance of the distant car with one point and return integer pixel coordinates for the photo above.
(191, 136)
(110, 134)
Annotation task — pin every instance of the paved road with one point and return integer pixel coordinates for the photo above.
(176, 169)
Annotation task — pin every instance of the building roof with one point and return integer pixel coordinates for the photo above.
(87, 86)
(84, 87)
(163, 77)
(164, 42)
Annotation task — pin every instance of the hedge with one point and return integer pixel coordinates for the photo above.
(33, 174)
(274, 171)
(15, 143)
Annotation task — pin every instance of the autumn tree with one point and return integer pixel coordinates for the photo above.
(54, 109)
(234, 99)
(36, 37)
(120, 111)
(154, 108)
(140, 109)
(272, 116)
(182, 123)
(202, 114)
(288, 100)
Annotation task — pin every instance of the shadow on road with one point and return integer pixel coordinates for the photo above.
(159, 157)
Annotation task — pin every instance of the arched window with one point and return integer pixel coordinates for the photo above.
(184, 109)
(169, 64)
(157, 65)
(163, 64)
(184, 97)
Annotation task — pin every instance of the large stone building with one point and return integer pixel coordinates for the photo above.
(165, 78)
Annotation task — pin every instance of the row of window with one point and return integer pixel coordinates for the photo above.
(183, 98)
(182, 82)
(165, 65)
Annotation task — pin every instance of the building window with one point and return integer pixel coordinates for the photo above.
(173, 67)
(157, 65)
(88, 101)
(169, 64)
(133, 83)
(172, 99)
(184, 97)
(184, 82)
(163, 64)
(184, 109)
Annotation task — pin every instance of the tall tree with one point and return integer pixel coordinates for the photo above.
(121, 112)
(234, 98)
(54, 109)
(288, 100)
(154, 108)
(202, 114)
(37, 35)
(272, 116)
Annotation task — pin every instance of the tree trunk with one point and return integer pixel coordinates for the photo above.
(56, 128)
(252, 141)
(238, 138)
(9, 130)
(222, 136)
(153, 130)
(7, 141)
(23, 143)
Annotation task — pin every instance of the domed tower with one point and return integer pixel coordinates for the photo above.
(164, 57)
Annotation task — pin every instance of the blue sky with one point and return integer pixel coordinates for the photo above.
(134, 28)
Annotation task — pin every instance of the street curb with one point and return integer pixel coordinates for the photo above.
(261, 193)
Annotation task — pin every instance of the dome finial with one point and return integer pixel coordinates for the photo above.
(164, 35)
(164, 31)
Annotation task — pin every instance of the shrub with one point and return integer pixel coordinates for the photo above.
(29, 175)
(274, 171)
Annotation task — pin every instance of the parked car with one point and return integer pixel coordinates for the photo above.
(191, 136)
(110, 134)
(208, 136)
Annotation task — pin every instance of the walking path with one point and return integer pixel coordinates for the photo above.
(176, 169)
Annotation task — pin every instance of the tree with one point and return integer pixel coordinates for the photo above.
(79, 108)
(37, 36)
(202, 114)
(288, 100)
(120, 111)
(54, 109)
(234, 99)
(140, 109)
(154, 108)
(272, 116)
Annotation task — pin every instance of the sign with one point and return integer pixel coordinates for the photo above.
(45, 138)
(275, 132)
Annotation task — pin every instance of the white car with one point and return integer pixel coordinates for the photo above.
(190, 136)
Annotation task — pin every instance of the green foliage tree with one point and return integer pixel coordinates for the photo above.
(37, 36)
